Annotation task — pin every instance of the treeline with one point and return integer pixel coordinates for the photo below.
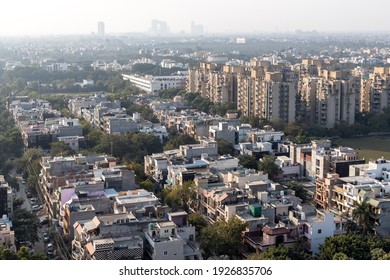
(155, 70)
(11, 142)
(29, 79)
(130, 147)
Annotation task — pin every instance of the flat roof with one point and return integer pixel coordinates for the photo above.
(111, 192)
(176, 214)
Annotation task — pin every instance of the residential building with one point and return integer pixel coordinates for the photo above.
(107, 237)
(6, 198)
(7, 235)
(171, 241)
(375, 91)
(223, 131)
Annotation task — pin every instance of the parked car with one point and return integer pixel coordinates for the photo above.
(45, 237)
(36, 207)
(50, 249)
(29, 195)
(25, 243)
(33, 200)
(44, 220)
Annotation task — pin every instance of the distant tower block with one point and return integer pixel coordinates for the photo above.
(101, 31)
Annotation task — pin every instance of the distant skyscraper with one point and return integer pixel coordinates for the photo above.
(159, 27)
(101, 28)
(196, 29)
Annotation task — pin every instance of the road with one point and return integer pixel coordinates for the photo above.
(40, 246)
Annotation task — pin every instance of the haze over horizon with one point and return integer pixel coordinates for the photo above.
(41, 17)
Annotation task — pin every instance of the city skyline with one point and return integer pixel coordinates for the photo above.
(41, 17)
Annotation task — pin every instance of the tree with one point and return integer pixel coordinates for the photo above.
(138, 170)
(23, 253)
(197, 221)
(225, 147)
(222, 238)
(7, 254)
(299, 190)
(267, 165)
(26, 226)
(59, 148)
(13, 183)
(298, 252)
(354, 246)
(17, 202)
(248, 161)
(361, 214)
(379, 254)
(147, 185)
(180, 196)
(340, 256)
(176, 141)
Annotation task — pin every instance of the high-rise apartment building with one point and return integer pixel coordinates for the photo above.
(375, 91)
(335, 98)
(101, 28)
(314, 92)
(196, 29)
(159, 28)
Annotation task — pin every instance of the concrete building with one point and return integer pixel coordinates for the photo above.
(57, 67)
(159, 28)
(107, 237)
(196, 29)
(101, 29)
(116, 125)
(377, 169)
(336, 92)
(64, 127)
(59, 172)
(7, 235)
(206, 146)
(375, 91)
(72, 142)
(6, 198)
(171, 241)
(223, 131)
(138, 201)
(154, 84)
(35, 136)
(288, 169)
(77, 104)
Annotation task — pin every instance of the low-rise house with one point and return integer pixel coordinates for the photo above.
(171, 241)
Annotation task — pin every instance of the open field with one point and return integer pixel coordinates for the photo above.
(371, 147)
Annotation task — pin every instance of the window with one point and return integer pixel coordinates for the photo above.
(165, 253)
(319, 231)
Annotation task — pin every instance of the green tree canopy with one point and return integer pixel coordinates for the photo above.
(26, 226)
(267, 165)
(175, 141)
(354, 246)
(225, 147)
(180, 196)
(197, 221)
(361, 214)
(248, 161)
(222, 238)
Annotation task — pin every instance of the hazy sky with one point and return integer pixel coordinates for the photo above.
(43, 17)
